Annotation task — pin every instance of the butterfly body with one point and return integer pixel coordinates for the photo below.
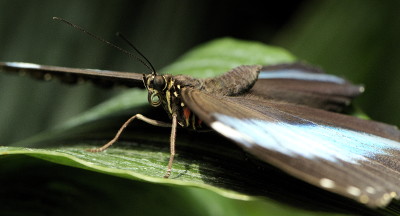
(166, 90)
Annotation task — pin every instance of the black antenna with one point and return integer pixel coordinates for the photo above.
(119, 34)
(145, 62)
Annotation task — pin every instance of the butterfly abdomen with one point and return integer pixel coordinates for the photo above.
(235, 82)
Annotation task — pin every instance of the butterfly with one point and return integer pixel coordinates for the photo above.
(287, 115)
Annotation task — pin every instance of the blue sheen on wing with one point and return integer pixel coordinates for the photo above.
(299, 75)
(307, 140)
(22, 65)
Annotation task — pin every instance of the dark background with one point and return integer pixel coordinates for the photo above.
(355, 39)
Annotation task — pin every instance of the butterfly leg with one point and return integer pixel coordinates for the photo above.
(138, 116)
(172, 145)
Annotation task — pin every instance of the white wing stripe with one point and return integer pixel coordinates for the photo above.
(22, 65)
(305, 140)
(299, 75)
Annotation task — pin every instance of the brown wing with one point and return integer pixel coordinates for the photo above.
(102, 78)
(306, 85)
(355, 158)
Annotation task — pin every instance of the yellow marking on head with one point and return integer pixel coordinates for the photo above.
(148, 81)
(170, 84)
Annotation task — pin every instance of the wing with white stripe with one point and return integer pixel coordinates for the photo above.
(356, 158)
(305, 85)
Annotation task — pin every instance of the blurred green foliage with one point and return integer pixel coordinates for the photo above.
(355, 39)
(358, 40)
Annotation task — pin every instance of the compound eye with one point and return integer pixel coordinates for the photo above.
(159, 83)
(154, 99)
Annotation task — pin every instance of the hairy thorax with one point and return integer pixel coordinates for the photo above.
(235, 82)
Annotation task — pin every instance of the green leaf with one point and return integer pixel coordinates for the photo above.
(221, 55)
(207, 166)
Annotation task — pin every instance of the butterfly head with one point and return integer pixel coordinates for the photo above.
(156, 85)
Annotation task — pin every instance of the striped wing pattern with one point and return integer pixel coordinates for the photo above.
(102, 78)
(343, 154)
